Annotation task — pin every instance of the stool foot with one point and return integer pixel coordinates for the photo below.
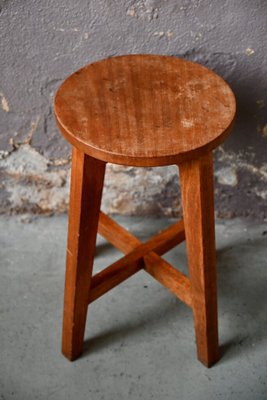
(198, 207)
(87, 179)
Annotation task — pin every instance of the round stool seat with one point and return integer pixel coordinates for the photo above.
(144, 110)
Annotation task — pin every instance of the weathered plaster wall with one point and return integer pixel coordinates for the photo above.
(44, 41)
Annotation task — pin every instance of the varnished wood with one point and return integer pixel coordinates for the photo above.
(197, 197)
(116, 234)
(113, 275)
(85, 197)
(160, 269)
(126, 242)
(169, 277)
(122, 269)
(144, 110)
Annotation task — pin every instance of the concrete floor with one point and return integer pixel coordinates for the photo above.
(139, 337)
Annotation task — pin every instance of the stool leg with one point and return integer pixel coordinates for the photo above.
(196, 179)
(87, 179)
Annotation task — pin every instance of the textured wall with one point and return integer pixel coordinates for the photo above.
(44, 41)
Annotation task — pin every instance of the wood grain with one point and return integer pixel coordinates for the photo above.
(126, 242)
(116, 234)
(85, 198)
(141, 255)
(144, 110)
(198, 208)
(169, 277)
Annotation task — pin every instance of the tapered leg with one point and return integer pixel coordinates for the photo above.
(87, 179)
(198, 207)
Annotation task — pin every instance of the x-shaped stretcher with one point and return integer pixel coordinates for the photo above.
(139, 256)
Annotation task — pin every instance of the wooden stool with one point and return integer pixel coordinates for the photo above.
(143, 110)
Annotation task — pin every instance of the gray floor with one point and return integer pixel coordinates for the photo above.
(139, 337)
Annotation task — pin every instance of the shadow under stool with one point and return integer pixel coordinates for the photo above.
(143, 110)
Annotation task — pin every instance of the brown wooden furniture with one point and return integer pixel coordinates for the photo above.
(143, 110)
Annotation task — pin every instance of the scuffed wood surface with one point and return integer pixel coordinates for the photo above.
(144, 110)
